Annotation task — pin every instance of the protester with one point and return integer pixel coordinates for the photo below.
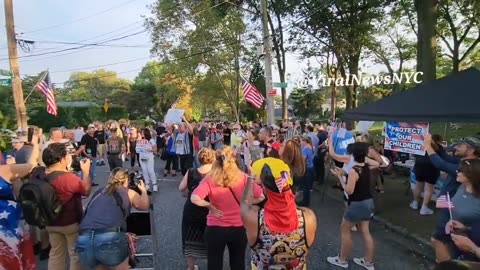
(466, 207)
(359, 209)
(89, 150)
(426, 175)
(280, 235)
(101, 136)
(216, 137)
(63, 231)
(184, 145)
(102, 241)
(171, 164)
(309, 176)
(194, 219)
(223, 186)
(131, 145)
(22, 150)
(16, 247)
(146, 148)
(115, 150)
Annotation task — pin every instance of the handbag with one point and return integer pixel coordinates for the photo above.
(132, 249)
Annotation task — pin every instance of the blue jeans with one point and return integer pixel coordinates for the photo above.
(93, 170)
(108, 249)
(307, 185)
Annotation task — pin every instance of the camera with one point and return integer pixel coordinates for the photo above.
(76, 163)
(133, 179)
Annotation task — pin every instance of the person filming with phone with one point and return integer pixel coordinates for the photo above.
(102, 240)
(69, 189)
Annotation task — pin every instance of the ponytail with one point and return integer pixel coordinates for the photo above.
(225, 171)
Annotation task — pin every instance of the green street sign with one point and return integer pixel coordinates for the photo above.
(5, 72)
(280, 84)
(5, 82)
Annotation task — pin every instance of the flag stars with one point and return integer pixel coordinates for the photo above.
(4, 215)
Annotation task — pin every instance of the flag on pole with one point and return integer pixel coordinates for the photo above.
(251, 94)
(46, 88)
(444, 202)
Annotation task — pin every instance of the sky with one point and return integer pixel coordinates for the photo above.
(88, 21)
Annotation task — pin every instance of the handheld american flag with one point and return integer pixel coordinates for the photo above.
(251, 94)
(45, 87)
(444, 202)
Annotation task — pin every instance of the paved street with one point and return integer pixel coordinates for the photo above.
(392, 252)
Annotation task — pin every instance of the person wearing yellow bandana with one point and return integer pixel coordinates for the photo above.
(280, 235)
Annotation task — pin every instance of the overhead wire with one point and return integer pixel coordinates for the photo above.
(75, 48)
(155, 65)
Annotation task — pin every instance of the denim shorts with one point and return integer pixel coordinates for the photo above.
(359, 211)
(106, 248)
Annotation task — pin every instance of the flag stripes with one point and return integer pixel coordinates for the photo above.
(45, 87)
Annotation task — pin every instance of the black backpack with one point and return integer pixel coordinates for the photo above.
(39, 200)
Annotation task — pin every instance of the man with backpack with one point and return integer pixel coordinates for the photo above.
(52, 198)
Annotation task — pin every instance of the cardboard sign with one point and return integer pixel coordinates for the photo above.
(174, 116)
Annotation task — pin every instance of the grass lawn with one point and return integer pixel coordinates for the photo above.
(450, 134)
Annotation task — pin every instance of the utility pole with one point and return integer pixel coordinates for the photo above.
(268, 63)
(20, 108)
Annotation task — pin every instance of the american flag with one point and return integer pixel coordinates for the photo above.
(251, 94)
(444, 202)
(45, 87)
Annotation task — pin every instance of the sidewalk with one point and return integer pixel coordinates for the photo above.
(395, 214)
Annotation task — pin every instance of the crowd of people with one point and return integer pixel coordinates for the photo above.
(244, 185)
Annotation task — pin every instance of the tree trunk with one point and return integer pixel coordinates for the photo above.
(427, 12)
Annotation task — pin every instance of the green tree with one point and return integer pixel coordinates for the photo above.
(459, 29)
(344, 28)
(200, 37)
(96, 87)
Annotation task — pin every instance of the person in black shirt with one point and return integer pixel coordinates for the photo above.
(227, 132)
(89, 150)
(99, 134)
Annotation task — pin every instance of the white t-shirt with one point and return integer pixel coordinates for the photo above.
(78, 134)
(143, 148)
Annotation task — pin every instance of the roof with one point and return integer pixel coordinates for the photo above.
(77, 104)
(453, 98)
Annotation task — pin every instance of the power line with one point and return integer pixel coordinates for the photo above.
(83, 18)
(90, 44)
(79, 47)
(158, 64)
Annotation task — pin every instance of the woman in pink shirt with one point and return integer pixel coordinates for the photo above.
(224, 186)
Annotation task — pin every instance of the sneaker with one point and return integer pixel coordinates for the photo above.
(425, 211)
(336, 261)
(195, 267)
(414, 205)
(363, 263)
(155, 188)
(94, 184)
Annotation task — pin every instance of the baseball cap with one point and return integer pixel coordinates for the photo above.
(19, 139)
(91, 126)
(470, 141)
(275, 146)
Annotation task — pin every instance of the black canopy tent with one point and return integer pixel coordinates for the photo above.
(454, 98)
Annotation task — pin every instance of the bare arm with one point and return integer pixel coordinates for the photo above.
(331, 151)
(352, 181)
(187, 125)
(249, 212)
(140, 202)
(183, 185)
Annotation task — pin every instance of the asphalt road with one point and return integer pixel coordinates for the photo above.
(393, 252)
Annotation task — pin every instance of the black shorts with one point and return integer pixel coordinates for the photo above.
(338, 163)
(427, 173)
